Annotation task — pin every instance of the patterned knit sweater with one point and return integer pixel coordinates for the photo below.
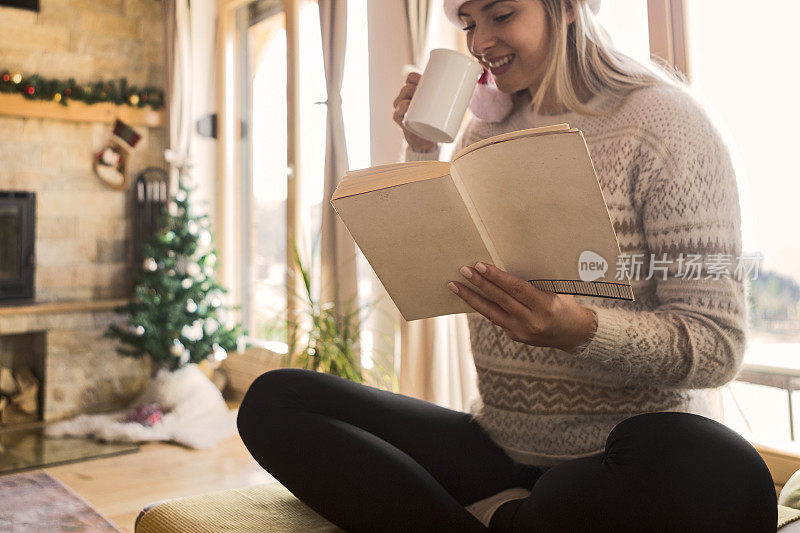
(670, 188)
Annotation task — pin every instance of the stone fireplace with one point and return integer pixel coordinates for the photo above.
(83, 229)
(17, 221)
(63, 345)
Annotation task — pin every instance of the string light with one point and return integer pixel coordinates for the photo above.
(118, 92)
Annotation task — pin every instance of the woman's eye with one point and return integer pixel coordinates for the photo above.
(502, 17)
(468, 27)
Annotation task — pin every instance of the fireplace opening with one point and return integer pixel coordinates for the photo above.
(17, 231)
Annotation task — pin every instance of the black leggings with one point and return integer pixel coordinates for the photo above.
(372, 460)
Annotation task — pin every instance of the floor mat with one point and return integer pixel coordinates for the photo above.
(36, 501)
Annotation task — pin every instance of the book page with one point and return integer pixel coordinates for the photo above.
(383, 176)
(415, 236)
(542, 206)
(530, 132)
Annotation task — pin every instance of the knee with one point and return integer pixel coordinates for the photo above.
(712, 462)
(269, 393)
(686, 438)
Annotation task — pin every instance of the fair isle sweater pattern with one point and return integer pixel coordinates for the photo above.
(671, 191)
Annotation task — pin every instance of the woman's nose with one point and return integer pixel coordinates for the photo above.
(482, 40)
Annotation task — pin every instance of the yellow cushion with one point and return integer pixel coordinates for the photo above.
(262, 508)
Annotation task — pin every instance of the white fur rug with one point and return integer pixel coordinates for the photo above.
(194, 414)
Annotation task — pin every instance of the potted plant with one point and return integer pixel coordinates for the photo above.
(326, 339)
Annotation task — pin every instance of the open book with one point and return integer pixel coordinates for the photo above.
(527, 202)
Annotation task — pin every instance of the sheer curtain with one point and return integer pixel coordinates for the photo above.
(435, 358)
(337, 248)
(179, 89)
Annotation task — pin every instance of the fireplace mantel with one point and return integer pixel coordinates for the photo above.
(18, 106)
(36, 308)
(47, 316)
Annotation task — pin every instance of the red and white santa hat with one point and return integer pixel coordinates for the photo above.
(488, 103)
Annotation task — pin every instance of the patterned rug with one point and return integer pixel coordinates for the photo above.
(36, 501)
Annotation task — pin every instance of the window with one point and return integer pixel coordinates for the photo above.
(626, 22)
(748, 87)
(266, 172)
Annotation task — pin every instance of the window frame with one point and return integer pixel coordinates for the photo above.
(230, 224)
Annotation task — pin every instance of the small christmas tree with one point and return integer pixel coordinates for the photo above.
(174, 315)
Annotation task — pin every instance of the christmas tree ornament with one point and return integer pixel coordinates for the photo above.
(150, 264)
(186, 283)
(192, 227)
(208, 271)
(171, 272)
(177, 348)
(180, 196)
(193, 269)
(171, 253)
(185, 357)
(173, 209)
(139, 330)
(191, 305)
(111, 162)
(194, 332)
(211, 325)
(219, 353)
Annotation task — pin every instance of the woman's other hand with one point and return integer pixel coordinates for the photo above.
(527, 314)
(401, 103)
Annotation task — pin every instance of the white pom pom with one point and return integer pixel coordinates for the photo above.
(490, 104)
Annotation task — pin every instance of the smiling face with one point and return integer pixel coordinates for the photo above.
(510, 38)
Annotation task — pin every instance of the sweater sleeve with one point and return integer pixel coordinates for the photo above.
(688, 204)
(408, 154)
(466, 136)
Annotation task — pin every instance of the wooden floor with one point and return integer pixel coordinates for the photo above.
(120, 486)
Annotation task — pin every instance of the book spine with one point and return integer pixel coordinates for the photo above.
(476, 218)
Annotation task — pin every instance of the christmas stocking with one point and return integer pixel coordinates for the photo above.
(111, 163)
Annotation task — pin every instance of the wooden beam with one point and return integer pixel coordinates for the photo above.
(668, 35)
(294, 219)
(17, 105)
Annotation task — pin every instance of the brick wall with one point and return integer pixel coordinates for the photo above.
(83, 228)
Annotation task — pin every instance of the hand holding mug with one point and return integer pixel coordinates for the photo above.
(440, 99)
(401, 103)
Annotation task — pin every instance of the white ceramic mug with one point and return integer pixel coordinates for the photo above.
(442, 96)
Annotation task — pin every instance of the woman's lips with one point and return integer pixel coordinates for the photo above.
(496, 71)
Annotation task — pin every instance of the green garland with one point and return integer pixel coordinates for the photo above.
(118, 92)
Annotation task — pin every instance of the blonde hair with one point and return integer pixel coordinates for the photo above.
(582, 55)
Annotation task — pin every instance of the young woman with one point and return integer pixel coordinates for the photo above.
(590, 411)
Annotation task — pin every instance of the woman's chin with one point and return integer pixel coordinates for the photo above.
(508, 88)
